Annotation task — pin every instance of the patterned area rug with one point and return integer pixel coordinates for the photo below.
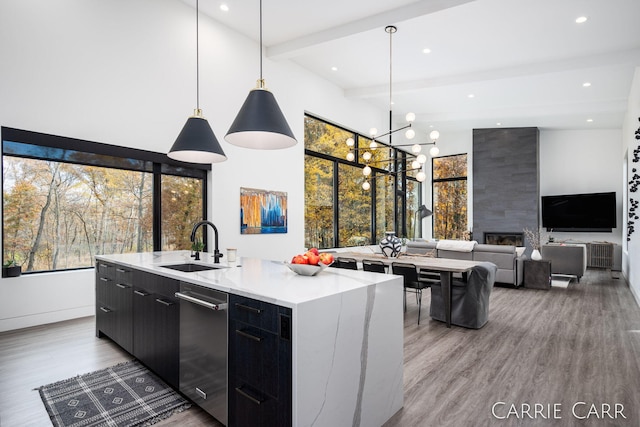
(123, 395)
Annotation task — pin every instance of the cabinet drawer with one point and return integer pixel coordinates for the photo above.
(253, 312)
(256, 357)
(250, 407)
(105, 269)
(155, 284)
(123, 275)
(103, 288)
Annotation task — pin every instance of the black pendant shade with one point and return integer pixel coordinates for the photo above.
(196, 143)
(260, 124)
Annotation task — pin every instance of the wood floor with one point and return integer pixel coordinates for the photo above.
(557, 347)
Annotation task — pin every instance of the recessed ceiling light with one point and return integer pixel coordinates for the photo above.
(498, 124)
(426, 50)
(589, 120)
(581, 19)
(471, 95)
(586, 84)
(334, 68)
(224, 7)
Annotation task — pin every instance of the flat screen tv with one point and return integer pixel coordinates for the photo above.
(579, 212)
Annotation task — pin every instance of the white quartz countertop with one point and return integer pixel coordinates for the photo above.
(266, 280)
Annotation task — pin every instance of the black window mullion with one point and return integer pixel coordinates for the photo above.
(157, 207)
(336, 216)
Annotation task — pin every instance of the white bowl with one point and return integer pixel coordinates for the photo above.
(306, 269)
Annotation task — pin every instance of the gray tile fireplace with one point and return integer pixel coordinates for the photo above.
(505, 184)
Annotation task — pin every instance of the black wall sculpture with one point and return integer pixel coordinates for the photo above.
(633, 188)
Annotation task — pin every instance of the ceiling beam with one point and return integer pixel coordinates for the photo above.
(629, 56)
(293, 47)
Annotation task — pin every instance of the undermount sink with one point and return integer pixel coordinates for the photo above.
(191, 267)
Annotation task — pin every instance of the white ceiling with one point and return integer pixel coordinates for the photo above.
(525, 61)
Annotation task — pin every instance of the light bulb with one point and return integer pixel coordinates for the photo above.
(373, 145)
(434, 151)
(434, 135)
(373, 132)
(416, 148)
(410, 133)
(422, 159)
(421, 176)
(410, 117)
(366, 185)
(350, 142)
(366, 171)
(350, 156)
(415, 165)
(366, 156)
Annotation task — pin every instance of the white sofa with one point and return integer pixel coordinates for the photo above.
(505, 257)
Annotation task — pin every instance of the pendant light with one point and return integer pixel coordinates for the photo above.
(196, 143)
(260, 123)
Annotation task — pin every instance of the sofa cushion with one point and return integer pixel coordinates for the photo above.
(455, 254)
(421, 247)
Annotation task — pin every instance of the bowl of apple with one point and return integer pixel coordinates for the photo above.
(310, 263)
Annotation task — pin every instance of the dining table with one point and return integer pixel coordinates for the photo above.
(445, 266)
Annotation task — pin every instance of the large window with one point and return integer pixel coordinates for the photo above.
(339, 212)
(450, 197)
(65, 201)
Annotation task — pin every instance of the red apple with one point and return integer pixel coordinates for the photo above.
(313, 258)
(326, 258)
(300, 259)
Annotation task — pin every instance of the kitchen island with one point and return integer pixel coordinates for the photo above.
(346, 331)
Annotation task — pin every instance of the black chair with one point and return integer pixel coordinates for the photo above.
(411, 282)
(374, 265)
(348, 263)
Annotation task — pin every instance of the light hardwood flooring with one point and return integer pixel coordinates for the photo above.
(561, 346)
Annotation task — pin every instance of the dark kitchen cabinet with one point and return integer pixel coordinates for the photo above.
(259, 363)
(114, 287)
(156, 320)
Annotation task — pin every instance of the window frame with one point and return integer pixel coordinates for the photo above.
(25, 144)
(435, 181)
(401, 158)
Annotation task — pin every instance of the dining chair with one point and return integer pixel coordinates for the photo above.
(348, 263)
(469, 299)
(374, 265)
(412, 283)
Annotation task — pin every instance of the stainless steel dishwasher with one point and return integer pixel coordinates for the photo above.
(203, 348)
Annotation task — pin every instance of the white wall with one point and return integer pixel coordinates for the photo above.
(122, 72)
(631, 251)
(582, 161)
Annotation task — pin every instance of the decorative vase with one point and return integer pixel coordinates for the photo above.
(535, 255)
(391, 244)
(13, 271)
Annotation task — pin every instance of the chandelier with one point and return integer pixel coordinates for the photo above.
(416, 148)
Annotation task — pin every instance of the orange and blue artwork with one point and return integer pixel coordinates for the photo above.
(262, 211)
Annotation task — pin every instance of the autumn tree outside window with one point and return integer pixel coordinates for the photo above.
(67, 200)
(450, 197)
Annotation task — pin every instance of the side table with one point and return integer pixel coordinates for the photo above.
(537, 274)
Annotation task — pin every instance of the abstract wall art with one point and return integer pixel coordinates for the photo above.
(262, 211)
